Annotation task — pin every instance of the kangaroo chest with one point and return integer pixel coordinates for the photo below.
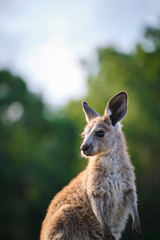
(110, 181)
(114, 183)
(112, 186)
(114, 178)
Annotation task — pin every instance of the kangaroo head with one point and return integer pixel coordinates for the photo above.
(101, 132)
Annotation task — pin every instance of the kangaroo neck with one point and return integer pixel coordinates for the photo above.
(109, 161)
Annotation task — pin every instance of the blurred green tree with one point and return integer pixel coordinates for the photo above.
(36, 152)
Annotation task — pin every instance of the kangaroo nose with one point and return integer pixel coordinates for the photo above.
(85, 148)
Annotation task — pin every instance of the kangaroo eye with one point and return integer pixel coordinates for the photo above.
(100, 134)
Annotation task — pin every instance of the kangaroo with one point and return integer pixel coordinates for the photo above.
(96, 204)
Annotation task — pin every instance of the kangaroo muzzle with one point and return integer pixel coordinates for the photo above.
(87, 149)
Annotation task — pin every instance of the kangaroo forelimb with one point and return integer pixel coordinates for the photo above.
(130, 198)
(97, 207)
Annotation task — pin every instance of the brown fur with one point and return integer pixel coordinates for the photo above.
(96, 204)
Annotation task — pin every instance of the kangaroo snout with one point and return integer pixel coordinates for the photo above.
(86, 149)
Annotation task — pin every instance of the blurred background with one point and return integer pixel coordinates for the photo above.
(53, 54)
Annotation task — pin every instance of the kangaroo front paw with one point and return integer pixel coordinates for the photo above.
(137, 230)
(137, 233)
(111, 238)
(108, 236)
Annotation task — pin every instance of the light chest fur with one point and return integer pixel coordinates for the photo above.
(111, 177)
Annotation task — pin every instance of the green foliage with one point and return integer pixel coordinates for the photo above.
(35, 158)
(39, 151)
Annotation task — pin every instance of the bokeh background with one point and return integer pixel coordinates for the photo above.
(53, 54)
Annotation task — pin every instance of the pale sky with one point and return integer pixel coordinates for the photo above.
(43, 41)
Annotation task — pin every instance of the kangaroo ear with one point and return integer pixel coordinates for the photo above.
(89, 112)
(117, 108)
